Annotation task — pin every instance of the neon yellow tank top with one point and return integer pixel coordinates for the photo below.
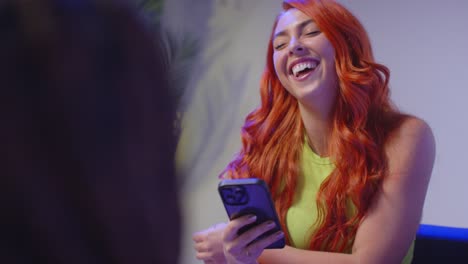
(302, 214)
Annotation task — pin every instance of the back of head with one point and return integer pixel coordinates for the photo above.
(87, 139)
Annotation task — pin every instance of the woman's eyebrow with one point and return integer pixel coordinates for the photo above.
(300, 26)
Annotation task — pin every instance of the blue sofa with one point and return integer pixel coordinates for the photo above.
(440, 244)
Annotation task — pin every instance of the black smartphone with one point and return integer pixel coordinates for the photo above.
(250, 196)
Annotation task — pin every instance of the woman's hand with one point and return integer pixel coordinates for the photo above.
(240, 249)
(209, 244)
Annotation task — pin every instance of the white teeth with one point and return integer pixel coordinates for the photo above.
(304, 65)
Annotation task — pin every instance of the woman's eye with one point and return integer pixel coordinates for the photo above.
(312, 33)
(279, 46)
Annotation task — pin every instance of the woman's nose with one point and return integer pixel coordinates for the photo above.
(296, 47)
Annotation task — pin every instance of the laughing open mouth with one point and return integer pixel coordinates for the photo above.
(303, 68)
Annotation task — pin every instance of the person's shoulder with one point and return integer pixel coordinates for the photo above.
(412, 129)
(410, 146)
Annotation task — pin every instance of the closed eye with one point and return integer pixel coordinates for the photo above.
(313, 33)
(279, 46)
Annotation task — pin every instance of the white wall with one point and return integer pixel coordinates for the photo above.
(423, 42)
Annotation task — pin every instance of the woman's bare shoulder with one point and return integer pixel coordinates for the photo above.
(410, 145)
(411, 128)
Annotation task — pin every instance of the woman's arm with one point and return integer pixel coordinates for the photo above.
(390, 226)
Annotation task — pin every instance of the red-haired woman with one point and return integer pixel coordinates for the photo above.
(347, 171)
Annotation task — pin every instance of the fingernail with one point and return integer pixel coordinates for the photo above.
(252, 218)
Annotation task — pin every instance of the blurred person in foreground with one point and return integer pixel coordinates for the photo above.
(87, 146)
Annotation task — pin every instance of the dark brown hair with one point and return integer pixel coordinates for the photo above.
(87, 146)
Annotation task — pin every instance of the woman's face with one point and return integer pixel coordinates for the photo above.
(304, 60)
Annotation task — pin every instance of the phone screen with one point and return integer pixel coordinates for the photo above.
(250, 196)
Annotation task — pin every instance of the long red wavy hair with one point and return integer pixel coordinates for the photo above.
(273, 134)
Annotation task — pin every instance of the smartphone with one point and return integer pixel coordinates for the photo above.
(250, 196)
